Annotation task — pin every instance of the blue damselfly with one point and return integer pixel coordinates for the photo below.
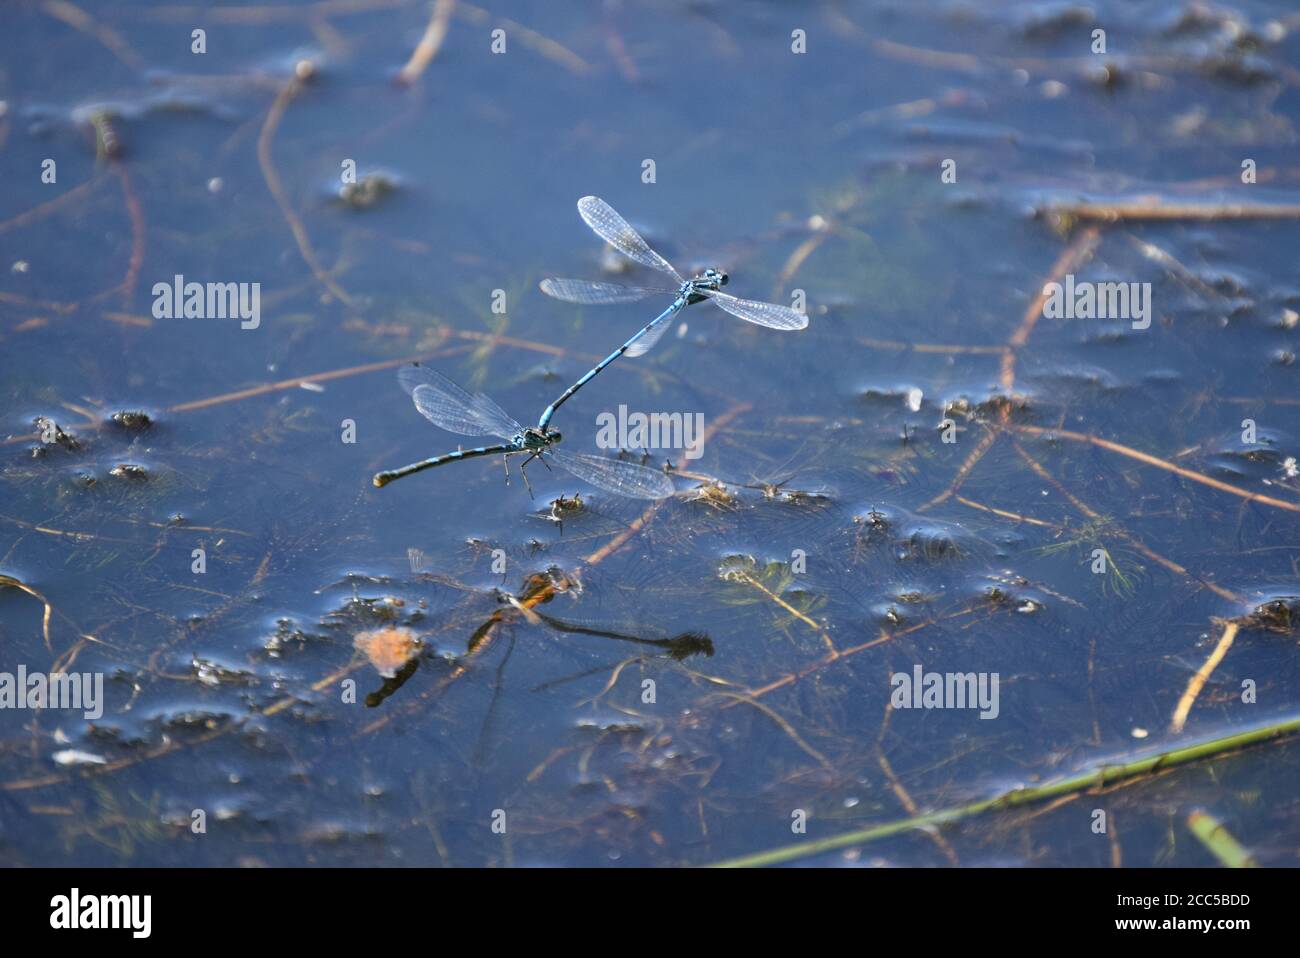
(613, 229)
(450, 407)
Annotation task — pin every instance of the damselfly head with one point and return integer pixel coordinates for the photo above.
(716, 278)
(553, 436)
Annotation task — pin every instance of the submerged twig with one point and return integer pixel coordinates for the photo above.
(1156, 209)
(430, 43)
(1072, 257)
(8, 580)
(1093, 516)
(550, 49)
(1202, 675)
(909, 805)
(787, 607)
(79, 19)
(294, 383)
(49, 206)
(272, 123)
(785, 726)
(1159, 463)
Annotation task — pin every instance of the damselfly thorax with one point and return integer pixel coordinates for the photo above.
(711, 279)
(533, 438)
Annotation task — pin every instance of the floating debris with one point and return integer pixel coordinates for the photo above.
(108, 144)
(1280, 615)
(388, 649)
(131, 419)
(367, 191)
(72, 756)
(213, 674)
(52, 434)
(713, 494)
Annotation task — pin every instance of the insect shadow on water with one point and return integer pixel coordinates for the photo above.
(539, 588)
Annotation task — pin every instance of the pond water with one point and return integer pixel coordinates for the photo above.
(1093, 514)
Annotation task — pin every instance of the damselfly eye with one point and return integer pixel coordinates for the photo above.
(554, 435)
(722, 278)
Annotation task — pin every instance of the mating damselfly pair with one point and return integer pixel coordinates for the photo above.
(447, 405)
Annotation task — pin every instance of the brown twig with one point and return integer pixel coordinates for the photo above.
(135, 212)
(1091, 514)
(941, 348)
(786, 727)
(430, 43)
(278, 13)
(1017, 517)
(272, 178)
(1159, 463)
(294, 383)
(791, 610)
(78, 19)
(49, 206)
(1072, 257)
(796, 261)
(912, 809)
(1156, 209)
(1202, 675)
(830, 659)
(8, 580)
(968, 464)
(550, 49)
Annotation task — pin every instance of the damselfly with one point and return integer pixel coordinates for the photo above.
(613, 229)
(450, 407)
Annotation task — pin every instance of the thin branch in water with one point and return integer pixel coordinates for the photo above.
(971, 461)
(785, 726)
(550, 49)
(78, 19)
(1159, 210)
(430, 43)
(909, 806)
(1072, 257)
(1202, 675)
(273, 118)
(1159, 463)
(8, 580)
(1093, 516)
(49, 206)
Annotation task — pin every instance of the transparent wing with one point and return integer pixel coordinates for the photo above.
(500, 422)
(455, 416)
(764, 314)
(647, 342)
(450, 407)
(614, 475)
(618, 233)
(597, 294)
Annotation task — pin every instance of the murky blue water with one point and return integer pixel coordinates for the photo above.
(670, 684)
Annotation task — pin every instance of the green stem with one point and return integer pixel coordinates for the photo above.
(1215, 836)
(1097, 777)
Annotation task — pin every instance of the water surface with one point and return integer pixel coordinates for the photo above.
(687, 678)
